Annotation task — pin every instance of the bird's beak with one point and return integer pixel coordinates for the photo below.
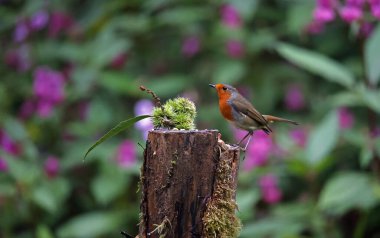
(212, 85)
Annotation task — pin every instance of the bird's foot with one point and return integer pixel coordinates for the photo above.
(238, 146)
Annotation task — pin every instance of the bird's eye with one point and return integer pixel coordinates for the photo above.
(224, 88)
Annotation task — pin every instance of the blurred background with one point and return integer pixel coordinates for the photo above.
(70, 71)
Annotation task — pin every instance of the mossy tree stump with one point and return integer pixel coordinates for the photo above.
(189, 178)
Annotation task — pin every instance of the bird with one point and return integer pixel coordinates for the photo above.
(237, 110)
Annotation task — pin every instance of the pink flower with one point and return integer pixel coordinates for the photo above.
(346, 118)
(27, 109)
(269, 189)
(119, 61)
(258, 150)
(3, 165)
(19, 59)
(144, 107)
(21, 31)
(8, 144)
(45, 108)
(350, 14)
(324, 11)
(315, 27)
(352, 10)
(39, 20)
(230, 16)
(323, 14)
(49, 89)
(299, 136)
(294, 99)
(190, 46)
(60, 22)
(49, 84)
(366, 29)
(375, 8)
(235, 49)
(51, 166)
(126, 154)
(376, 132)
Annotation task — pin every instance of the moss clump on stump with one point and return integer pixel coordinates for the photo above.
(219, 219)
(175, 113)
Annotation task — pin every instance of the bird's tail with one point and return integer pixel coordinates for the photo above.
(272, 119)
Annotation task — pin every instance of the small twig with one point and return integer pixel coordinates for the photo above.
(125, 234)
(157, 100)
(142, 147)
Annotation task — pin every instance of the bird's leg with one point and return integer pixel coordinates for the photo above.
(243, 138)
(249, 139)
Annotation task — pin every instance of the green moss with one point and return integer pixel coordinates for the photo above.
(175, 113)
(219, 219)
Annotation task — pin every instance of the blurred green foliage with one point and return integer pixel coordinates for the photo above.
(329, 182)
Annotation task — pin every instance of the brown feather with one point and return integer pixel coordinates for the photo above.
(244, 106)
(271, 119)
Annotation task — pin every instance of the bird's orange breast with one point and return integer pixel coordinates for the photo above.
(224, 107)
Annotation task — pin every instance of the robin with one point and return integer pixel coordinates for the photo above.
(240, 112)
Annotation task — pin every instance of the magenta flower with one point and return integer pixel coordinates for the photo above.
(269, 189)
(352, 11)
(299, 136)
(375, 8)
(21, 31)
(235, 49)
(8, 144)
(49, 89)
(126, 154)
(315, 27)
(230, 16)
(119, 61)
(324, 11)
(51, 166)
(144, 107)
(19, 59)
(60, 22)
(190, 46)
(346, 118)
(27, 109)
(366, 29)
(39, 20)
(294, 99)
(3, 165)
(350, 14)
(258, 150)
(376, 132)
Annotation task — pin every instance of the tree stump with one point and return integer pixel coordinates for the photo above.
(188, 179)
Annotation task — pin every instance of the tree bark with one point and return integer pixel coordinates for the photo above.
(179, 178)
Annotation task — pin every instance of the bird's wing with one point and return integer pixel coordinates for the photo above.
(242, 105)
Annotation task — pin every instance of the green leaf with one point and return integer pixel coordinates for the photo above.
(372, 59)
(366, 155)
(272, 227)
(317, 63)
(116, 130)
(109, 184)
(92, 224)
(229, 72)
(43, 231)
(184, 15)
(246, 199)
(323, 138)
(51, 194)
(346, 191)
(371, 98)
(168, 85)
(119, 82)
